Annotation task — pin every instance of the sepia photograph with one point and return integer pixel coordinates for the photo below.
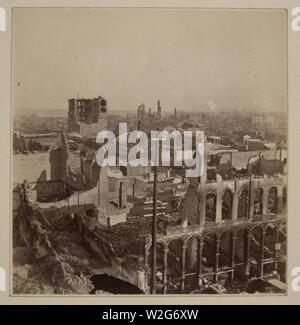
(149, 151)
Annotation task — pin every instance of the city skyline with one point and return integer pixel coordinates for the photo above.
(186, 58)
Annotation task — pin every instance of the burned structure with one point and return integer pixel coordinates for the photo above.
(87, 116)
(225, 230)
(232, 230)
(147, 120)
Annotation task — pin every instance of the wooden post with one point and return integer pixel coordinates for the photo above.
(154, 225)
(165, 270)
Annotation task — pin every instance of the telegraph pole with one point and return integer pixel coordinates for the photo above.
(154, 220)
(154, 226)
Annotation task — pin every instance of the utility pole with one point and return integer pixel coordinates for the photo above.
(154, 226)
(154, 220)
(99, 188)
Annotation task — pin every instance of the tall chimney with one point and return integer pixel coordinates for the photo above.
(122, 195)
(158, 110)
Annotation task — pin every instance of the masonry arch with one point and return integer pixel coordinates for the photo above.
(272, 200)
(211, 207)
(227, 198)
(149, 250)
(271, 231)
(191, 260)
(226, 249)
(256, 235)
(209, 252)
(174, 262)
(243, 203)
(241, 245)
(258, 202)
(160, 248)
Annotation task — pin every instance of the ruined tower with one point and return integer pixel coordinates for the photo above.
(158, 115)
(59, 159)
(87, 116)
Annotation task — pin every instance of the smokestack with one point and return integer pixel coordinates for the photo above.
(122, 195)
(158, 110)
(175, 112)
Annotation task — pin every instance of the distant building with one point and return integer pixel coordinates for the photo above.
(87, 116)
(214, 139)
(148, 120)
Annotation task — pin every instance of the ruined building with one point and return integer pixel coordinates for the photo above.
(63, 179)
(87, 116)
(148, 120)
(232, 230)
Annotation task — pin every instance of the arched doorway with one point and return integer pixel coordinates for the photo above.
(225, 249)
(255, 250)
(226, 205)
(258, 206)
(241, 254)
(270, 241)
(160, 267)
(209, 255)
(271, 238)
(191, 263)
(243, 204)
(210, 207)
(272, 200)
(191, 255)
(174, 265)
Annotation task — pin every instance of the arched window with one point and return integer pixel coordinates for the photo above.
(257, 208)
(226, 205)
(272, 200)
(103, 106)
(210, 207)
(243, 204)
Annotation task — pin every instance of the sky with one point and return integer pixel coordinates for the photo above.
(194, 60)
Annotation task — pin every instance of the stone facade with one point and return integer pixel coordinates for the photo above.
(87, 116)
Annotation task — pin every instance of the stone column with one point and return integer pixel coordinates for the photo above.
(260, 270)
(279, 199)
(182, 267)
(276, 249)
(122, 195)
(165, 270)
(251, 203)
(251, 196)
(201, 193)
(233, 244)
(247, 253)
(265, 201)
(146, 270)
(200, 257)
(216, 270)
(219, 207)
(235, 203)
